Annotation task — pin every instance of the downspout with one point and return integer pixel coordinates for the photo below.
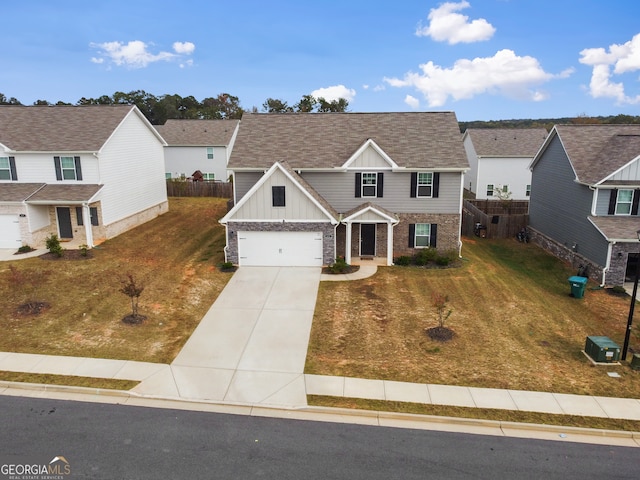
(608, 264)
(88, 226)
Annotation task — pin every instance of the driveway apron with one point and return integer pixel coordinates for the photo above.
(251, 345)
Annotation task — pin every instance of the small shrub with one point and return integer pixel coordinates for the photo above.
(403, 261)
(425, 255)
(25, 249)
(84, 249)
(340, 266)
(618, 290)
(442, 260)
(52, 243)
(227, 267)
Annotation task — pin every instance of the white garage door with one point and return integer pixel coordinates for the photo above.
(283, 249)
(9, 232)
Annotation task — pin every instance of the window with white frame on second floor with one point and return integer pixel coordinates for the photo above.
(209, 153)
(209, 176)
(490, 190)
(67, 168)
(425, 184)
(7, 168)
(527, 191)
(624, 201)
(369, 184)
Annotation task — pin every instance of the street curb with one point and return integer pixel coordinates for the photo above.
(406, 420)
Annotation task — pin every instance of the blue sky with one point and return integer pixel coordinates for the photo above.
(483, 59)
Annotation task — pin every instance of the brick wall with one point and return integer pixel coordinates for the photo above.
(448, 232)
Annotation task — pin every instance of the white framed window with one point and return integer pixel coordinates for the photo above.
(369, 184)
(527, 191)
(490, 190)
(425, 184)
(423, 235)
(167, 175)
(209, 176)
(209, 153)
(68, 166)
(505, 188)
(624, 201)
(5, 169)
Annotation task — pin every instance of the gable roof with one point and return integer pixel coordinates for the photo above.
(298, 181)
(61, 128)
(596, 151)
(198, 132)
(507, 142)
(327, 140)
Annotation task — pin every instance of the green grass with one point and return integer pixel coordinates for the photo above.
(68, 380)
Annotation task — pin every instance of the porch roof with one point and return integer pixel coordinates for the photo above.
(386, 215)
(18, 192)
(616, 228)
(57, 194)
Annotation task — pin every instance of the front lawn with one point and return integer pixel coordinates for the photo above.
(174, 257)
(515, 325)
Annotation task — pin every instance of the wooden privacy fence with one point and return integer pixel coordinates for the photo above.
(199, 189)
(500, 219)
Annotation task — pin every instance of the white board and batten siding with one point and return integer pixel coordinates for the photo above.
(282, 249)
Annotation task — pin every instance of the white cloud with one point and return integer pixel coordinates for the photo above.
(505, 73)
(186, 48)
(413, 102)
(334, 93)
(445, 25)
(136, 54)
(623, 58)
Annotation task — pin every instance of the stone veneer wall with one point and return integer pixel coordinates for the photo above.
(618, 267)
(116, 228)
(448, 236)
(327, 229)
(566, 254)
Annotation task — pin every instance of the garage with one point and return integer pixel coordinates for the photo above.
(283, 249)
(10, 232)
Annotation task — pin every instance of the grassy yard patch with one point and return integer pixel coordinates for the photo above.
(515, 325)
(174, 256)
(69, 380)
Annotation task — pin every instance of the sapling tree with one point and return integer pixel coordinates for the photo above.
(440, 303)
(133, 290)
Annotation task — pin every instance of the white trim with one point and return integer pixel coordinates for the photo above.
(256, 186)
(369, 208)
(369, 144)
(636, 159)
(278, 220)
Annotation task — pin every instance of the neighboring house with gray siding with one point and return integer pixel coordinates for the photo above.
(499, 158)
(585, 194)
(311, 187)
(198, 145)
(84, 173)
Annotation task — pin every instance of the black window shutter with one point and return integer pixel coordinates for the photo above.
(636, 201)
(380, 184)
(78, 168)
(436, 185)
(56, 162)
(433, 234)
(79, 216)
(414, 184)
(412, 235)
(612, 201)
(358, 185)
(93, 212)
(12, 168)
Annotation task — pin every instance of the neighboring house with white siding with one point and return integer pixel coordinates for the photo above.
(499, 158)
(311, 187)
(585, 197)
(198, 145)
(84, 173)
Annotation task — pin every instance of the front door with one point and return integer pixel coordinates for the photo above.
(64, 222)
(368, 239)
(632, 265)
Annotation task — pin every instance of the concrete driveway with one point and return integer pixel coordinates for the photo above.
(252, 344)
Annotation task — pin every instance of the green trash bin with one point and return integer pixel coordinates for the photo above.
(578, 284)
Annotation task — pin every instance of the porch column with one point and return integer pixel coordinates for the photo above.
(389, 244)
(88, 227)
(347, 253)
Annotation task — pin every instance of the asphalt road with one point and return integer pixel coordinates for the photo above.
(120, 442)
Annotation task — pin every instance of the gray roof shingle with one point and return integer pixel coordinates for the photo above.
(325, 140)
(507, 142)
(616, 228)
(59, 128)
(210, 133)
(18, 192)
(54, 193)
(597, 151)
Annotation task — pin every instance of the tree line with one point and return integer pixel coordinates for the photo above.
(225, 106)
(158, 109)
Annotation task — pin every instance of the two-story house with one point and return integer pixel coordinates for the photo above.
(310, 187)
(499, 158)
(198, 145)
(85, 173)
(585, 196)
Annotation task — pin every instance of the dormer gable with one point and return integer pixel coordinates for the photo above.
(369, 156)
(629, 173)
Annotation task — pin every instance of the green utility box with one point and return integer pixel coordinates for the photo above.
(602, 349)
(635, 361)
(578, 284)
